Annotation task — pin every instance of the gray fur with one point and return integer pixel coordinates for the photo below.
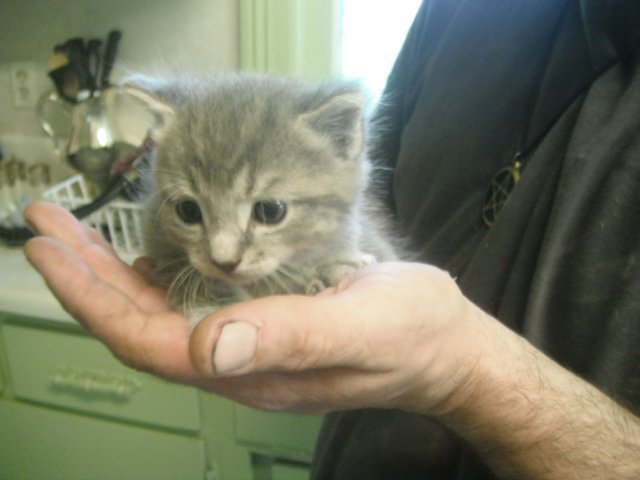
(229, 141)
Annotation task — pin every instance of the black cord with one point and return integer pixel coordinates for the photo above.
(16, 236)
(115, 189)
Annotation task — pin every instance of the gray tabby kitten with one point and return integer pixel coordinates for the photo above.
(258, 188)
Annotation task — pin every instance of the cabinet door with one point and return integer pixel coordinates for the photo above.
(289, 434)
(78, 373)
(42, 443)
(266, 468)
(289, 472)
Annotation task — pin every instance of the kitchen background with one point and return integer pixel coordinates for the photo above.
(68, 409)
(157, 34)
(194, 34)
(312, 38)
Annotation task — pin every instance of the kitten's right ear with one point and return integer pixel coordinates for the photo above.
(162, 113)
(339, 118)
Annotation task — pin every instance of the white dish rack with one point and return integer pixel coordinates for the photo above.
(120, 221)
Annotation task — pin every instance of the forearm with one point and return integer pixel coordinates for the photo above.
(530, 418)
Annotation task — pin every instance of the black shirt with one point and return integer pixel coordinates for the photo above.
(556, 82)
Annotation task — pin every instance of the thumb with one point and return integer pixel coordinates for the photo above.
(277, 334)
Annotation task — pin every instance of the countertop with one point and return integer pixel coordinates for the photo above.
(23, 291)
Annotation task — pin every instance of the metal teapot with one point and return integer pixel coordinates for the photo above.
(99, 130)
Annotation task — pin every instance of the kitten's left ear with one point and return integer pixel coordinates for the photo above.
(162, 113)
(340, 119)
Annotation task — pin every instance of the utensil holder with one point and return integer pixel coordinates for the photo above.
(120, 221)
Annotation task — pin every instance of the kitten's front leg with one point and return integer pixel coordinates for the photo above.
(330, 274)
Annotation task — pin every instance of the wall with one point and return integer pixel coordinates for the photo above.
(157, 35)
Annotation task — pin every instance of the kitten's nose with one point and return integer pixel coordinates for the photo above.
(226, 267)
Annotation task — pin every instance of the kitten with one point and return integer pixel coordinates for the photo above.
(259, 188)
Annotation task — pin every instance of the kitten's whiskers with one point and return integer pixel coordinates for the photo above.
(294, 276)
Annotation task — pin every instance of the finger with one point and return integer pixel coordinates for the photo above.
(75, 284)
(56, 222)
(287, 334)
(145, 267)
(110, 315)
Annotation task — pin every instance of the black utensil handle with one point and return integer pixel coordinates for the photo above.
(110, 56)
(93, 49)
(76, 52)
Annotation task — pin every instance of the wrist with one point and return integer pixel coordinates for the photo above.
(501, 367)
(456, 359)
(473, 366)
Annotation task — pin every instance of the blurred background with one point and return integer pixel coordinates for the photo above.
(310, 38)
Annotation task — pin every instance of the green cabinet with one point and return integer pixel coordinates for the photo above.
(70, 410)
(39, 443)
(279, 431)
(78, 373)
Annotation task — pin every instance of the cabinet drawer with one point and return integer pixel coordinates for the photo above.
(289, 472)
(42, 443)
(79, 373)
(286, 433)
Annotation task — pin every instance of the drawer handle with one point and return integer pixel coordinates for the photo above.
(97, 382)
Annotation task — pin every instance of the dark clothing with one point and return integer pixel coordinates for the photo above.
(476, 82)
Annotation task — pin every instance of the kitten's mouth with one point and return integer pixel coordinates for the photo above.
(235, 278)
(240, 275)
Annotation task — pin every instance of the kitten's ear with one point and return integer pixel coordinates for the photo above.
(339, 118)
(162, 113)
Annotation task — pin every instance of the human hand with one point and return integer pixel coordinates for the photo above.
(392, 335)
(110, 298)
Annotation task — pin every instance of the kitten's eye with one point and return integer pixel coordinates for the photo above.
(269, 212)
(189, 211)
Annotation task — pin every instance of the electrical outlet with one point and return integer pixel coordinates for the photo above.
(23, 85)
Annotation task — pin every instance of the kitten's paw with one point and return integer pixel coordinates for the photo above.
(315, 286)
(364, 259)
(331, 274)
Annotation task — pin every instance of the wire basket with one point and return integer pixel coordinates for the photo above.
(120, 221)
